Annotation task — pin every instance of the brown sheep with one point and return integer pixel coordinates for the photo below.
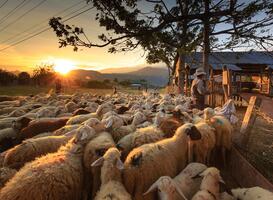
(41, 127)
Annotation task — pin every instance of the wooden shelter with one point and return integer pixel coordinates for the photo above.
(246, 71)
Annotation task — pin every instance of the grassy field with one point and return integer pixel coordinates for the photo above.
(32, 90)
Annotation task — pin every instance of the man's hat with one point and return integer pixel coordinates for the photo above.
(200, 71)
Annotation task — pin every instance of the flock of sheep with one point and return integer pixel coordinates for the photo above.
(116, 147)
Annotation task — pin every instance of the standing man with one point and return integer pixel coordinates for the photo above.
(58, 86)
(198, 89)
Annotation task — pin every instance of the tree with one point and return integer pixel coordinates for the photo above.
(44, 75)
(23, 78)
(181, 26)
(6, 78)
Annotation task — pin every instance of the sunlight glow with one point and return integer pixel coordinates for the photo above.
(63, 66)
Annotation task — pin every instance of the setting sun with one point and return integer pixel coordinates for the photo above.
(63, 66)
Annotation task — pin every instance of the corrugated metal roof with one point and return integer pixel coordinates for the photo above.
(234, 58)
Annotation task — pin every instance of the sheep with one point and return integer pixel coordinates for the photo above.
(9, 136)
(143, 165)
(65, 129)
(55, 176)
(41, 127)
(253, 193)
(171, 124)
(184, 185)
(94, 150)
(29, 149)
(80, 111)
(70, 107)
(5, 175)
(102, 109)
(210, 185)
(111, 181)
(223, 131)
(201, 149)
(141, 136)
(96, 124)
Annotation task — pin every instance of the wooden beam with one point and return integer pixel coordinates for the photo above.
(239, 167)
(249, 119)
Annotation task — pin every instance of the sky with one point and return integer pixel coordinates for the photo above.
(44, 47)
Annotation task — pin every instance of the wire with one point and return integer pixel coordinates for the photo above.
(18, 7)
(44, 30)
(4, 3)
(21, 16)
(38, 26)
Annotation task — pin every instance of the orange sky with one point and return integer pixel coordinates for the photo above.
(44, 47)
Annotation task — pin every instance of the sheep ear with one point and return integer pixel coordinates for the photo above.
(109, 123)
(136, 159)
(98, 162)
(119, 164)
(24, 122)
(151, 189)
(194, 133)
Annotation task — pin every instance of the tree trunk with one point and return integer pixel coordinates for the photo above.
(181, 73)
(206, 34)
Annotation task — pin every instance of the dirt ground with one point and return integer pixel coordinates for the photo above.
(259, 150)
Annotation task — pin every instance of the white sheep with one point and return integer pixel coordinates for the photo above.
(223, 131)
(184, 185)
(55, 176)
(254, 193)
(210, 185)
(141, 136)
(111, 182)
(143, 165)
(94, 150)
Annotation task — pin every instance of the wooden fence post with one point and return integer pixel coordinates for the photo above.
(249, 119)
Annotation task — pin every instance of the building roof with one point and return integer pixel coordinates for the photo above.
(231, 59)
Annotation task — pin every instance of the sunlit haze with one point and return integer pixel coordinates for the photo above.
(28, 54)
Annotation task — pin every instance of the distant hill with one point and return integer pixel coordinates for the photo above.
(153, 75)
(119, 70)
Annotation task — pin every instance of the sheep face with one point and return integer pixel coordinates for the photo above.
(166, 188)
(84, 134)
(104, 108)
(96, 124)
(20, 123)
(112, 157)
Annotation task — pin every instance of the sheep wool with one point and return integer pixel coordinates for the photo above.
(29, 149)
(143, 165)
(253, 193)
(6, 174)
(111, 187)
(94, 150)
(56, 176)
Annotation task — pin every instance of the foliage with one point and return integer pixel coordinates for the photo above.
(152, 23)
(125, 83)
(7, 78)
(44, 75)
(98, 84)
(23, 78)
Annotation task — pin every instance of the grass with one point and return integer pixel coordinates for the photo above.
(28, 90)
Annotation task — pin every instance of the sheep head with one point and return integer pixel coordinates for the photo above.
(189, 130)
(96, 124)
(20, 123)
(84, 134)
(166, 188)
